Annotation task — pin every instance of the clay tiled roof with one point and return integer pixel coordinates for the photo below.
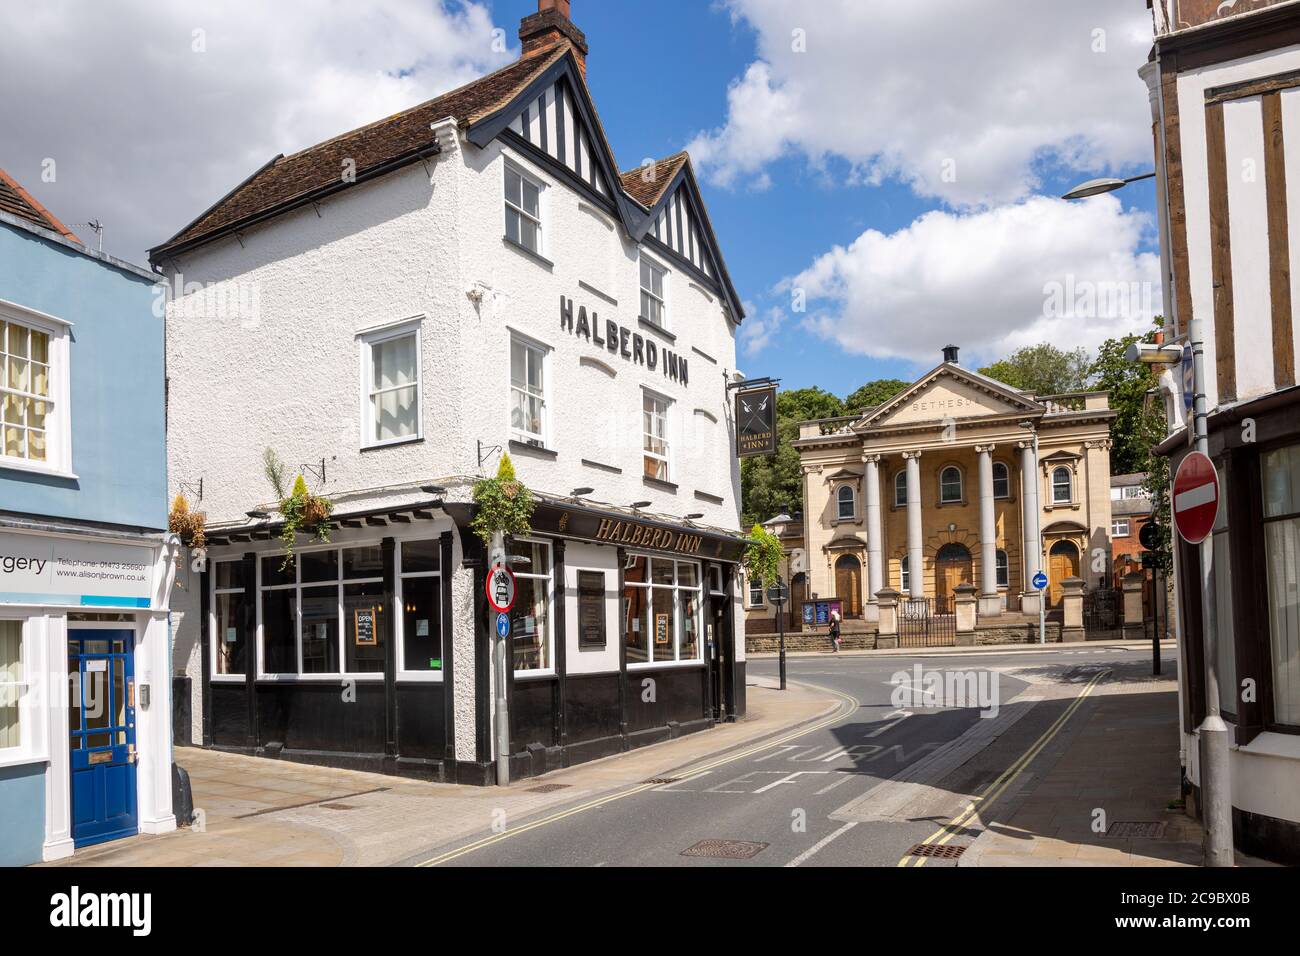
(402, 135)
(19, 202)
(648, 190)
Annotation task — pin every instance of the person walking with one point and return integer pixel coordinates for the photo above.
(835, 632)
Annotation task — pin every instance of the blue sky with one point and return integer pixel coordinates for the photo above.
(892, 161)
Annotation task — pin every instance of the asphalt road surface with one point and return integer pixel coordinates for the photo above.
(801, 798)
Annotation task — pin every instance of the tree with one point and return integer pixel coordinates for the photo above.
(1042, 370)
(874, 393)
(769, 483)
(1128, 383)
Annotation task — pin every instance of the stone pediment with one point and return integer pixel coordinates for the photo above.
(948, 393)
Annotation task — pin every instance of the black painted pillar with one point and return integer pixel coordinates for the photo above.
(729, 673)
(622, 649)
(206, 638)
(388, 551)
(448, 664)
(254, 738)
(561, 648)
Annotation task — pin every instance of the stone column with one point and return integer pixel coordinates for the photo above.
(990, 604)
(1134, 623)
(1072, 609)
(875, 557)
(887, 634)
(965, 601)
(914, 559)
(1031, 549)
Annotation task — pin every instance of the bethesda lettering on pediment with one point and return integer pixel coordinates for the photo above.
(944, 398)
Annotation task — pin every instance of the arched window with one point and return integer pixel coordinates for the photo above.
(1062, 486)
(950, 485)
(1004, 570)
(847, 503)
(1001, 480)
(904, 577)
(900, 490)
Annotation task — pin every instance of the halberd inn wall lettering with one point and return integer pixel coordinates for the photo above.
(622, 341)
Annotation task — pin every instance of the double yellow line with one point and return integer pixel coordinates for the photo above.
(999, 786)
(849, 705)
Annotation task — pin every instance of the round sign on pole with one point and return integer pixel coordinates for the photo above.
(778, 593)
(503, 625)
(501, 588)
(1196, 498)
(1040, 580)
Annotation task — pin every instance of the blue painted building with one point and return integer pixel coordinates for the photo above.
(86, 564)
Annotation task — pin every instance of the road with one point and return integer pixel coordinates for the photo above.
(861, 787)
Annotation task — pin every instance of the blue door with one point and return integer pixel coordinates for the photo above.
(102, 734)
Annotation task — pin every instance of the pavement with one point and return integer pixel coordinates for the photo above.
(259, 812)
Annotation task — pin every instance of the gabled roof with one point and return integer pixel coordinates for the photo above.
(380, 145)
(983, 383)
(647, 184)
(19, 202)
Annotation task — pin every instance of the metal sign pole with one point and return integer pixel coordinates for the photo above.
(502, 724)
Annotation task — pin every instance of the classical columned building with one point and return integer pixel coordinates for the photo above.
(958, 479)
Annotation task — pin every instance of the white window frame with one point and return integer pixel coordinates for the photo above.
(852, 501)
(58, 422)
(31, 734)
(405, 674)
(1051, 483)
(539, 220)
(667, 458)
(368, 339)
(1002, 569)
(1006, 494)
(656, 267)
(904, 576)
(961, 485)
(518, 434)
(677, 588)
(753, 584)
(213, 630)
(549, 578)
(1116, 524)
(903, 476)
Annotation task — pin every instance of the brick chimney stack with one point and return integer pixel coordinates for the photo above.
(541, 31)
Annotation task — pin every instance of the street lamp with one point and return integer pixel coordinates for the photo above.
(1095, 187)
(1042, 598)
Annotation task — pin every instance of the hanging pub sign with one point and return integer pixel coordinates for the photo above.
(756, 422)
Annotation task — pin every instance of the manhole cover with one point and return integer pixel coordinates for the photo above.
(946, 852)
(725, 849)
(337, 806)
(664, 780)
(1136, 829)
(548, 788)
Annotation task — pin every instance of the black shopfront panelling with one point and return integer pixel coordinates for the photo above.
(421, 721)
(532, 713)
(677, 696)
(227, 708)
(591, 707)
(739, 688)
(311, 716)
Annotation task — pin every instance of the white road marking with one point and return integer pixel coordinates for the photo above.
(902, 715)
(789, 778)
(808, 854)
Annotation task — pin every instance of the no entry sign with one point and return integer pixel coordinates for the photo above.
(1196, 498)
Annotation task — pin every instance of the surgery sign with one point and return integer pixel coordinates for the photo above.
(756, 422)
(35, 569)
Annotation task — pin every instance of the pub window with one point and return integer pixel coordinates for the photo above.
(420, 564)
(1281, 479)
(391, 384)
(1224, 637)
(592, 634)
(523, 210)
(847, 503)
(1003, 569)
(652, 292)
(530, 618)
(229, 637)
(1062, 486)
(655, 429)
(661, 600)
(13, 685)
(900, 490)
(1001, 480)
(528, 391)
(950, 485)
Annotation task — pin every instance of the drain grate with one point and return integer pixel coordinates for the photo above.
(664, 780)
(946, 852)
(1136, 829)
(337, 806)
(725, 849)
(548, 787)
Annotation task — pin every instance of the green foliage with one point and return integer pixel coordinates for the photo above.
(504, 504)
(302, 510)
(273, 468)
(763, 555)
(1043, 370)
(875, 393)
(1127, 383)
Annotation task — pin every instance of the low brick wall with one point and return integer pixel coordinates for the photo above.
(851, 639)
(1023, 633)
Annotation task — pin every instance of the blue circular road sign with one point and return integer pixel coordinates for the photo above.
(1040, 580)
(503, 625)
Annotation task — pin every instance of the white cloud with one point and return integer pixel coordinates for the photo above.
(147, 132)
(919, 89)
(759, 329)
(1043, 270)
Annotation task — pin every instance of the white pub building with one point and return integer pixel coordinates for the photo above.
(391, 310)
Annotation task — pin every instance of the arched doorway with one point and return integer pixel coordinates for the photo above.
(848, 584)
(952, 566)
(1062, 563)
(798, 594)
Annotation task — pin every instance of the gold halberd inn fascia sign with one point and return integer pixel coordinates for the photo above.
(959, 479)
